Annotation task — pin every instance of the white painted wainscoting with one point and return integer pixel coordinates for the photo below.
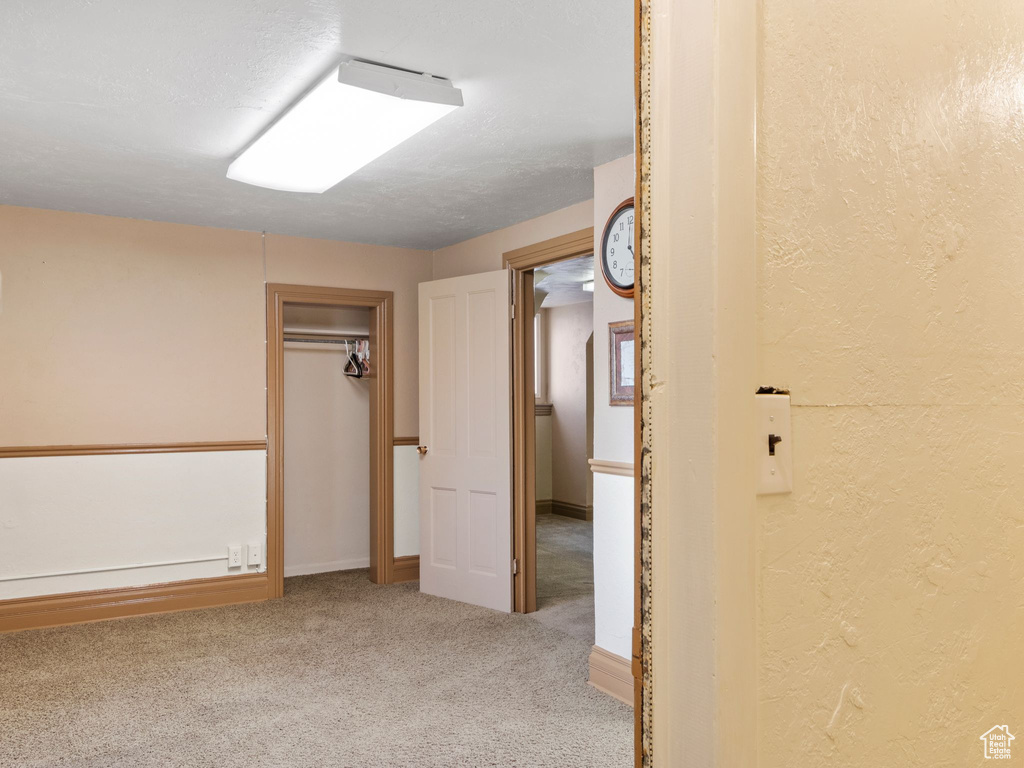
(407, 501)
(613, 563)
(77, 523)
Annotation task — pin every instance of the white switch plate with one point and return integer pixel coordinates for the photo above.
(235, 557)
(255, 554)
(774, 473)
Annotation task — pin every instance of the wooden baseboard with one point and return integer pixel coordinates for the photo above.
(407, 568)
(543, 507)
(567, 509)
(611, 674)
(101, 604)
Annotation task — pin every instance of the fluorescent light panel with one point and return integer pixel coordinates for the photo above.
(350, 118)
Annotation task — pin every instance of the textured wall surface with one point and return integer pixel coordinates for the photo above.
(891, 302)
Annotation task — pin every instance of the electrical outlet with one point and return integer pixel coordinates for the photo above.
(234, 557)
(255, 554)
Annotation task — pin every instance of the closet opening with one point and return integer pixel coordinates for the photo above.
(330, 502)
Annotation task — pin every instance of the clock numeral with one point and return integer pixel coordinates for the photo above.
(615, 237)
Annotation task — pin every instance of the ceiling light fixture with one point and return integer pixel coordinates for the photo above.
(589, 287)
(348, 119)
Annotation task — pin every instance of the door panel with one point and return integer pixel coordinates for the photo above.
(465, 412)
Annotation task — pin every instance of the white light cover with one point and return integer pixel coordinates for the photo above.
(337, 128)
(589, 287)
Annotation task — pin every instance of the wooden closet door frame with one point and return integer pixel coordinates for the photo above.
(382, 502)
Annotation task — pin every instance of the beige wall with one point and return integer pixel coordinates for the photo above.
(483, 254)
(890, 302)
(613, 424)
(125, 331)
(122, 331)
(568, 330)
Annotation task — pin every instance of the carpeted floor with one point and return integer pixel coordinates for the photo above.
(339, 673)
(565, 575)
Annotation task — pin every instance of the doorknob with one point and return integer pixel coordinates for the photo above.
(422, 450)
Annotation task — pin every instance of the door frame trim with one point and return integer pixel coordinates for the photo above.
(521, 262)
(382, 502)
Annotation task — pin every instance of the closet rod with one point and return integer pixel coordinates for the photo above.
(335, 334)
(307, 340)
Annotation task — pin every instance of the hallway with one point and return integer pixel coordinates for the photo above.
(565, 575)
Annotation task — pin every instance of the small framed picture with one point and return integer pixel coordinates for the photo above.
(620, 362)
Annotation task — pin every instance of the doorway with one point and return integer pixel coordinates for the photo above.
(326, 439)
(378, 305)
(521, 263)
(563, 333)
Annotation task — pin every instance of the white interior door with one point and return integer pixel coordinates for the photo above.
(465, 411)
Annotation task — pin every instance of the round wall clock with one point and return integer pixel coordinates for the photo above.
(617, 250)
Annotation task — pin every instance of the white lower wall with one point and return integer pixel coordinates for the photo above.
(407, 501)
(543, 448)
(75, 513)
(613, 563)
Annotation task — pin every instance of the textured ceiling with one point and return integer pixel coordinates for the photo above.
(136, 109)
(561, 283)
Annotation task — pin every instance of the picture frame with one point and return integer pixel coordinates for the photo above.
(620, 362)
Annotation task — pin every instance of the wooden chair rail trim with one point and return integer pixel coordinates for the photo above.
(101, 604)
(22, 451)
(602, 467)
(398, 441)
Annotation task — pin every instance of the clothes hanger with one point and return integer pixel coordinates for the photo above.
(352, 365)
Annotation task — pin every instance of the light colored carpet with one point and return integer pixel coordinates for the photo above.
(338, 673)
(565, 575)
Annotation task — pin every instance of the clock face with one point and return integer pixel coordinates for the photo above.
(617, 250)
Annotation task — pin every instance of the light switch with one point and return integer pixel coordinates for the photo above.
(255, 553)
(234, 557)
(774, 445)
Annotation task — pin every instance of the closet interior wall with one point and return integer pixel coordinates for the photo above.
(326, 442)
